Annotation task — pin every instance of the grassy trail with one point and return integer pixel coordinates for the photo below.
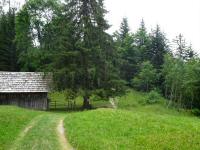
(41, 133)
(61, 133)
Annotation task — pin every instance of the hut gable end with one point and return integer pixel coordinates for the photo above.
(24, 82)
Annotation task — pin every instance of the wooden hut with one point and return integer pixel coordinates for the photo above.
(25, 89)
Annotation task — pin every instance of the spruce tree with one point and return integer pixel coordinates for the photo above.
(158, 48)
(124, 29)
(30, 29)
(127, 50)
(8, 55)
(94, 56)
(180, 46)
(142, 42)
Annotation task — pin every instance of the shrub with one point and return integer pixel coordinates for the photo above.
(146, 78)
(153, 97)
(196, 112)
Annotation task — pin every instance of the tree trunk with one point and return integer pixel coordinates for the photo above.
(147, 87)
(86, 103)
(171, 96)
(191, 107)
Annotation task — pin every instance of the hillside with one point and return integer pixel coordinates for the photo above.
(125, 130)
(134, 125)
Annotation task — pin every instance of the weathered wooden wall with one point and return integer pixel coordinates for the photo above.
(27, 100)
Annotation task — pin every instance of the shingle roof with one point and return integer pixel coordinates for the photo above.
(24, 82)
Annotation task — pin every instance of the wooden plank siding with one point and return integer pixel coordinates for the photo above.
(25, 89)
(27, 100)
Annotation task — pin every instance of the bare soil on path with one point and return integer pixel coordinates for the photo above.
(44, 132)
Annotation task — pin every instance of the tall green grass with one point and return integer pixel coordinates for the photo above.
(42, 135)
(138, 101)
(12, 121)
(127, 130)
(136, 124)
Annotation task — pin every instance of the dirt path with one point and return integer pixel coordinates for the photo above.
(24, 132)
(45, 132)
(61, 134)
(113, 103)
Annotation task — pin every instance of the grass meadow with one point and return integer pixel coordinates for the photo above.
(135, 124)
(12, 121)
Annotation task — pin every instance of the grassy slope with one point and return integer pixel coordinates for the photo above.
(139, 127)
(12, 121)
(133, 126)
(136, 101)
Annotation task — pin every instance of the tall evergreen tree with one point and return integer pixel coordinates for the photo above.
(127, 50)
(8, 56)
(158, 48)
(94, 55)
(142, 42)
(190, 53)
(30, 23)
(124, 29)
(182, 50)
(180, 45)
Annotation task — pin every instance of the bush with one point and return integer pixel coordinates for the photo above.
(70, 95)
(146, 78)
(196, 112)
(153, 97)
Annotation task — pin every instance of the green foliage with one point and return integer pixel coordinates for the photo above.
(196, 112)
(129, 54)
(146, 78)
(132, 99)
(173, 71)
(100, 94)
(70, 95)
(182, 81)
(95, 100)
(8, 54)
(158, 48)
(61, 37)
(124, 29)
(183, 51)
(31, 21)
(142, 42)
(153, 97)
(87, 62)
(23, 33)
(31, 60)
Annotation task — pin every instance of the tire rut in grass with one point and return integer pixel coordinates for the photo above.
(44, 132)
(61, 134)
(25, 131)
(42, 135)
